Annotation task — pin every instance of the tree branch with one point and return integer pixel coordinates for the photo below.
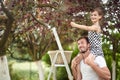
(40, 22)
(46, 5)
(8, 14)
(8, 24)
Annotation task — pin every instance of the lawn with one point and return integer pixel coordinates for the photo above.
(25, 70)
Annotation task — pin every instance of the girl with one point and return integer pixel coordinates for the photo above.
(94, 35)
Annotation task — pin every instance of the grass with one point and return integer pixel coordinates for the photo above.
(25, 70)
(25, 66)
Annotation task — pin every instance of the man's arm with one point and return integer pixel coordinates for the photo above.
(101, 70)
(79, 75)
(75, 62)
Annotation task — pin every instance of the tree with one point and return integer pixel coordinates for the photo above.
(112, 30)
(23, 24)
(4, 41)
(27, 31)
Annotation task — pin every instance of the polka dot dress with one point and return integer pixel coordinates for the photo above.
(95, 43)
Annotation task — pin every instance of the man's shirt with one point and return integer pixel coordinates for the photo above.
(87, 72)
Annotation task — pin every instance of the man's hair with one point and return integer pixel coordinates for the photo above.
(84, 37)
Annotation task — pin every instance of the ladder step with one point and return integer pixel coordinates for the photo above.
(59, 65)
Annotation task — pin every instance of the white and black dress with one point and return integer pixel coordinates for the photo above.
(95, 43)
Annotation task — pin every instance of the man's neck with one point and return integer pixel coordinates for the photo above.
(86, 53)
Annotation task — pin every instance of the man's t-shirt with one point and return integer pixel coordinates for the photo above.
(87, 72)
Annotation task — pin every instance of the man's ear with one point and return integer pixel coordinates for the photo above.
(89, 45)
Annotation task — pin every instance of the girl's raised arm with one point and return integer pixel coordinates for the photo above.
(84, 27)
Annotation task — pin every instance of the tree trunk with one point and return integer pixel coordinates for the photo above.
(114, 70)
(40, 70)
(4, 71)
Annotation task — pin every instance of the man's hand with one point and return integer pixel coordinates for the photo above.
(77, 60)
(90, 59)
(74, 62)
(103, 72)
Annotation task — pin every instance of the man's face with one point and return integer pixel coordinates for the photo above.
(83, 46)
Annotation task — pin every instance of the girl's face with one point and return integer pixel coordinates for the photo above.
(95, 17)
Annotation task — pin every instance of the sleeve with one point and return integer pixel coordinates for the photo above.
(100, 61)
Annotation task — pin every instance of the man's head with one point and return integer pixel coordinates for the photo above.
(83, 44)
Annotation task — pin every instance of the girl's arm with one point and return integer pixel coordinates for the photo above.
(83, 27)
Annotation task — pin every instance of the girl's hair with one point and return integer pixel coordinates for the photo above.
(100, 11)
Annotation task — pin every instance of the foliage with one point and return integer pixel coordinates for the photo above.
(62, 74)
(46, 58)
(28, 32)
(23, 26)
(112, 28)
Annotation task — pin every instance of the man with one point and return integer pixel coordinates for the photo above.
(91, 67)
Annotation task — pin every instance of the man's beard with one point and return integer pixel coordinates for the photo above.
(84, 51)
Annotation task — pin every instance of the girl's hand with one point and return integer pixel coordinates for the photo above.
(72, 24)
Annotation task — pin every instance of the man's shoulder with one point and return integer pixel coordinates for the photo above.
(100, 60)
(100, 57)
